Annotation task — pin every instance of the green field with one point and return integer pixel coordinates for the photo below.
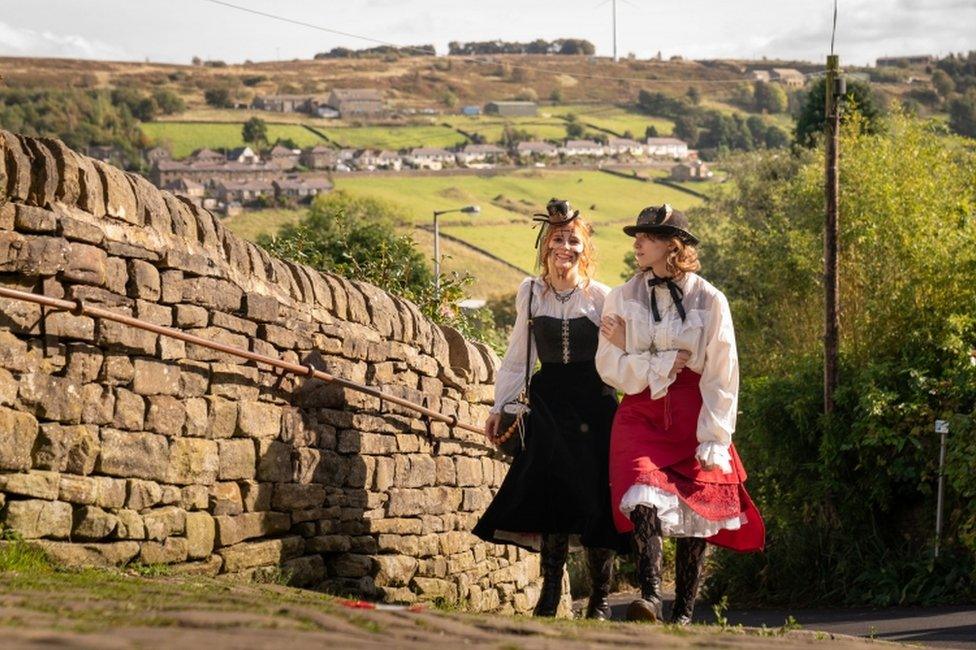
(615, 118)
(394, 137)
(253, 223)
(516, 195)
(184, 138)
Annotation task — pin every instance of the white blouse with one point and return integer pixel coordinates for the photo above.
(651, 348)
(585, 301)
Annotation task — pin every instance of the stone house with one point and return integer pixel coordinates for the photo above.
(624, 147)
(512, 109)
(283, 157)
(244, 192)
(479, 153)
(357, 102)
(536, 148)
(429, 158)
(243, 155)
(789, 77)
(287, 103)
(186, 187)
(319, 157)
(695, 170)
(301, 188)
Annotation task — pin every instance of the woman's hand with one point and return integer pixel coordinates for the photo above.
(680, 361)
(491, 425)
(614, 328)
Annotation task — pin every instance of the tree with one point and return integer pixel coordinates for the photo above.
(859, 100)
(356, 237)
(962, 114)
(775, 137)
(650, 131)
(527, 95)
(693, 95)
(255, 131)
(574, 130)
(449, 99)
(511, 136)
(218, 97)
(769, 98)
(556, 96)
(943, 83)
(169, 102)
(686, 128)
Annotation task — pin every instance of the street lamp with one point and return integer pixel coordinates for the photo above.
(468, 209)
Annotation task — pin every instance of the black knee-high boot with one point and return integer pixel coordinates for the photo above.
(555, 548)
(648, 551)
(600, 562)
(688, 561)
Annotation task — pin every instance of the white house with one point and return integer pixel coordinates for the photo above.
(479, 153)
(429, 158)
(536, 148)
(624, 146)
(243, 155)
(667, 147)
(583, 148)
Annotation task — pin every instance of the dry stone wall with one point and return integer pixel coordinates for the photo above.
(118, 445)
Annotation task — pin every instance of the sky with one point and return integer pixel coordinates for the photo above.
(177, 30)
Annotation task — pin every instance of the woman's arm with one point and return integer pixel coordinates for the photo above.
(510, 378)
(719, 388)
(632, 372)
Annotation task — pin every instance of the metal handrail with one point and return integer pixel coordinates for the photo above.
(79, 307)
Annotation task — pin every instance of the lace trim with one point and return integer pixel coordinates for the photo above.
(677, 519)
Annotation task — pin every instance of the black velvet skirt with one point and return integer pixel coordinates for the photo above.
(560, 482)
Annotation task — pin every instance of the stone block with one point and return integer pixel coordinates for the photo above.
(274, 461)
(271, 552)
(225, 499)
(71, 449)
(40, 485)
(52, 398)
(256, 496)
(85, 264)
(172, 551)
(194, 497)
(28, 218)
(304, 571)
(258, 419)
(200, 534)
(166, 415)
(130, 410)
(468, 471)
(164, 522)
(106, 555)
(352, 565)
(133, 455)
(19, 433)
(155, 378)
(144, 280)
(212, 293)
(261, 308)
(191, 316)
(234, 529)
(292, 496)
(193, 460)
(131, 339)
(98, 404)
(84, 362)
(131, 525)
(93, 523)
(142, 494)
(238, 459)
(120, 201)
(33, 518)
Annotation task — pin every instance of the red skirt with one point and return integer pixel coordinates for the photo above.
(653, 443)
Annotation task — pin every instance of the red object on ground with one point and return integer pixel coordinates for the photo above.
(364, 604)
(654, 442)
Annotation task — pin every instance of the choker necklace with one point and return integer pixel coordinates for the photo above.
(562, 297)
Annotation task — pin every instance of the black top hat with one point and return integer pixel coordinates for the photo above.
(662, 220)
(558, 213)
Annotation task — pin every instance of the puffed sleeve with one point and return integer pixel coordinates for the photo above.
(510, 378)
(632, 372)
(719, 387)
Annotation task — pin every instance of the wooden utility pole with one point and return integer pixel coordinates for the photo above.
(832, 189)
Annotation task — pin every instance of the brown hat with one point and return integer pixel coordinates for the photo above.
(558, 213)
(662, 220)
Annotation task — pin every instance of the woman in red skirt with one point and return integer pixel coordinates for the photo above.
(667, 342)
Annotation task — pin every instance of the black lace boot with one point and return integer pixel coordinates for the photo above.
(600, 561)
(688, 561)
(555, 548)
(648, 551)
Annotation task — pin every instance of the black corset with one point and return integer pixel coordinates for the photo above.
(565, 341)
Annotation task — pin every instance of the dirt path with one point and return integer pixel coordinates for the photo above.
(103, 609)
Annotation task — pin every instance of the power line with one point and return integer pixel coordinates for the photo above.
(471, 59)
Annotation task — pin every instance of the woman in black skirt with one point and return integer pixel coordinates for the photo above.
(559, 484)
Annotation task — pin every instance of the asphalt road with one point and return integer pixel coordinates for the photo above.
(939, 627)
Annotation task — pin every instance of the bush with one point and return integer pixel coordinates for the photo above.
(849, 500)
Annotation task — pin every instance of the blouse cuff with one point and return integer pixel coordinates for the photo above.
(659, 376)
(715, 453)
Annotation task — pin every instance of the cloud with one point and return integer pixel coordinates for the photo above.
(20, 41)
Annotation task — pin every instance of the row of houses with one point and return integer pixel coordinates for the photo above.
(228, 195)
